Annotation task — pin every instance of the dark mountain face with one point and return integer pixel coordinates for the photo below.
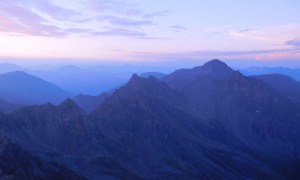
(213, 123)
(283, 84)
(22, 88)
(247, 107)
(90, 103)
(46, 126)
(18, 163)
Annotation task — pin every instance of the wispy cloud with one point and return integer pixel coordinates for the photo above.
(110, 31)
(212, 54)
(178, 28)
(54, 11)
(294, 42)
(156, 14)
(15, 19)
(114, 20)
(44, 18)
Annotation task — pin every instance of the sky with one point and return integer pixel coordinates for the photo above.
(161, 31)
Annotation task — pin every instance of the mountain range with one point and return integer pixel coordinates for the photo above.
(208, 122)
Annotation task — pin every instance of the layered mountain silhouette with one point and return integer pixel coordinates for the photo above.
(21, 88)
(209, 122)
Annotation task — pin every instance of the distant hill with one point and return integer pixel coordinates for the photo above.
(251, 71)
(285, 85)
(157, 75)
(90, 103)
(22, 88)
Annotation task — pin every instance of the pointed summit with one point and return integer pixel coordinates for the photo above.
(136, 80)
(217, 69)
(134, 77)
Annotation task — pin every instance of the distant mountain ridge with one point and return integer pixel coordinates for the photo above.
(22, 88)
(283, 84)
(252, 71)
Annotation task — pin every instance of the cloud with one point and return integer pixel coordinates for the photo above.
(54, 11)
(110, 31)
(15, 19)
(213, 53)
(114, 20)
(42, 6)
(117, 7)
(178, 28)
(156, 14)
(294, 42)
(44, 18)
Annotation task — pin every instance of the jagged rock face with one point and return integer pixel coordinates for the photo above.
(18, 163)
(47, 126)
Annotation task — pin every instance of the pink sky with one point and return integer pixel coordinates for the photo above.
(150, 30)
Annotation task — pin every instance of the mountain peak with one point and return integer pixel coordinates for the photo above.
(217, 69)
(216, 63)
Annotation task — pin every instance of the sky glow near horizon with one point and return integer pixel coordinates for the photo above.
(150, 30)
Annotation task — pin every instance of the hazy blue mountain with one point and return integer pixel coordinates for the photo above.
(293, 73)
(22, 88)
(90, 80)
(90, 103)
(285, 85)
(157, 75)
(8, 67)
(209, 122)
